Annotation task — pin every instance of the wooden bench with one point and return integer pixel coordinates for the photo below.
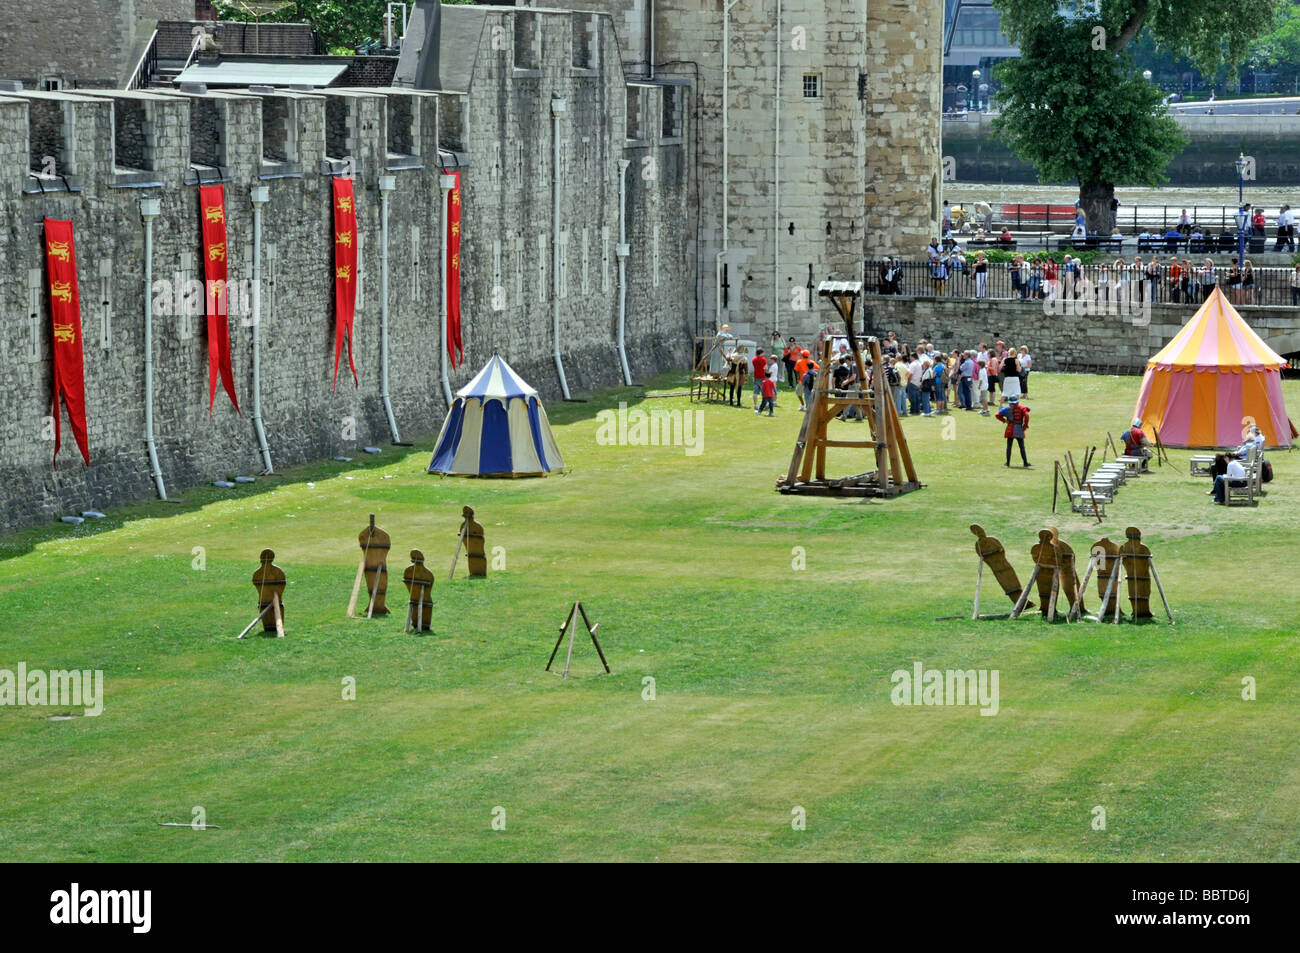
(1087, 505)
(1133, 466)
(1239, 492)
(1202, 464)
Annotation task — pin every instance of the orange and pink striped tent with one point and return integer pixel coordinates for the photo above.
(1214, 379)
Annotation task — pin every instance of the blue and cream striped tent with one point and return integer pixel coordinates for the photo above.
(497, 428)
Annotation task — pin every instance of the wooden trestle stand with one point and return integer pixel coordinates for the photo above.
(894, 473)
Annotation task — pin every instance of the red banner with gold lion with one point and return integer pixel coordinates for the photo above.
(455, 349)
(65, 321)
(212, 206)
(345, 271)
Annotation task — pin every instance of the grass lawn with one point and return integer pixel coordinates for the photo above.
(772, 684)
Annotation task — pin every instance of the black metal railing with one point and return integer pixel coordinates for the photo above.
(1273, 287)
(1130, 219)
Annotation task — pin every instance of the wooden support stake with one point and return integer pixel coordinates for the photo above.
(1076, 610)
(356, 588)
(1095, 512)
(1056, 481)
(1069, 455)
(374, 590)
(1161, 589)
(592, 630)
(979, 577)
(1024, 594)
(564, 628)
(256, 619)
(455, 556)
(573, 631)
(279, 616)
(1161, 457)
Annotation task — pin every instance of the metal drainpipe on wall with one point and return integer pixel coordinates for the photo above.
(622, 251)
(387, 183)
(149, 209)
(445, 182)
(776, 183)
(260, 195)
(558, 108)
(726, 164)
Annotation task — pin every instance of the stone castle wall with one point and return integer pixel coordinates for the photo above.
(115, 149)
(857, 164)
(1115, 343)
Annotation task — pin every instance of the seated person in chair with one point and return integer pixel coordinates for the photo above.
(1253, 439)
(1137, 443)
(1236, 476)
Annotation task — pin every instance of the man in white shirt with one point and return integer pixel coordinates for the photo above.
(914, 385)
(1236, 476)
(1285, 229)
(1026, 362)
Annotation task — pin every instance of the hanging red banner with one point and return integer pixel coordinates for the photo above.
(345, 271)
(65, 321)
(455, 349)
(212, 209)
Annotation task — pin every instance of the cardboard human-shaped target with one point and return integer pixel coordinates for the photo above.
(1105, 556)
(1137, 572)
(1068, 578)
(471, 538)
(373, 570)
(992, 554)
(419, 584)
(269, 580)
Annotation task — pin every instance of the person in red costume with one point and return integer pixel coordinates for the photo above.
(1016, 416)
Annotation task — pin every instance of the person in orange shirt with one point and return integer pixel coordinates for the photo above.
(800, 368)
(1175, 279)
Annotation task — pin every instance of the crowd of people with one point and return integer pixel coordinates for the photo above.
(926, 381)
(951, 271)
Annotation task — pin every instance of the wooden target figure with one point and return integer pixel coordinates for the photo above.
(419, 583)
(471, 537)
(1044, 556)
(1137, 571)
(990, 552)
(1104, 562)
(1068, 577)
(373, 568)
(269, 580)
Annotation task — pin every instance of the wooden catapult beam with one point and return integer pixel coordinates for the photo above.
(894, 472)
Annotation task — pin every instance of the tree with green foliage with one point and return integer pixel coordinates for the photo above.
(1075, 105)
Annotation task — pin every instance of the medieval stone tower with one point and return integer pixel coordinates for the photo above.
(829, 114)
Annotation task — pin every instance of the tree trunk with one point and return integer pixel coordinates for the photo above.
(1095, 199)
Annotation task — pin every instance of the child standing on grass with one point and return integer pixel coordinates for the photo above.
(769, 397)
(984, 389)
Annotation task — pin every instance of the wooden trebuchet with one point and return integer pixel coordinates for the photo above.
(419, 584)
(992, 554)
(894, 472)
